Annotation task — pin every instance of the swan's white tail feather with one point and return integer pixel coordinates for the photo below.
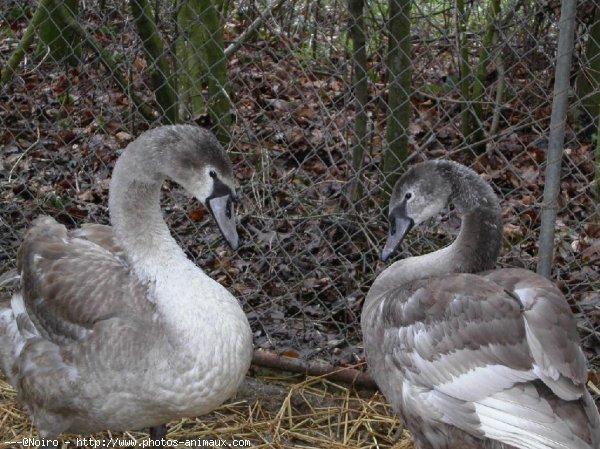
(11, 339)
(10, 279)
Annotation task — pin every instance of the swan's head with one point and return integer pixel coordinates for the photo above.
(194, 159)
(421, 193)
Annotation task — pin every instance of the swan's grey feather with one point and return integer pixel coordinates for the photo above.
(9, 279)
(101, 235)
(456, 342)
(552, 333)
(54, 268)
(529, 416)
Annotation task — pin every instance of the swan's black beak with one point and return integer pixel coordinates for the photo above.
(400, 225)
(221, 207)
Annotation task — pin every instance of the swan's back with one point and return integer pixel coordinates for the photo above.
(73, 280)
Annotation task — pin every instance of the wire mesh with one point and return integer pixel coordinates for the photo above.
(88, 83)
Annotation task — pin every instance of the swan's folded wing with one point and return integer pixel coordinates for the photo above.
(530, 415)
(458, 334)
(101, 235)
(57, 382)
(453, 343)
(69, 283)
(550, 328)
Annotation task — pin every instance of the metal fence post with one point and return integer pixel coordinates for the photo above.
(557, 132)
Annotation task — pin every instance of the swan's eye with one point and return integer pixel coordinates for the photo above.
(408, 195)
(212, 173)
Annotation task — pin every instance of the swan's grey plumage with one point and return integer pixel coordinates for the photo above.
(469, 356)
(113, 327)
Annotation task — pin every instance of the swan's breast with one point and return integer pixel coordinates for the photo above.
(214, 376)
(210, 341)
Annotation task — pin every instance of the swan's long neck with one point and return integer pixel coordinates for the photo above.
(475, 249)
(137, 220)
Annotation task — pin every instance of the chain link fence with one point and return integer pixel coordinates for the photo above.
(307, 95)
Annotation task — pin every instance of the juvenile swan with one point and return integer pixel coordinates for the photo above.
(473, 359)
(113, 327)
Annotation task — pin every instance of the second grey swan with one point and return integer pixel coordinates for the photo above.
(470, 356)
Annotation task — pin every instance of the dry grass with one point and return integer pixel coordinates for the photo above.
(314, 413)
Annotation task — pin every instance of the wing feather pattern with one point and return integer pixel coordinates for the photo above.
(496, 355)
(53, 263)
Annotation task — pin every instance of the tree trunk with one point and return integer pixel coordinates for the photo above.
(203, 64)
(400, 88)
(160, 72)
(16, 58)
(360, 89)
(481, 73)
(588, 80)
(465, 72)
(215, 65)
(54, 32)
(190, 54)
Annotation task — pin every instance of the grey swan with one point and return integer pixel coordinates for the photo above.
(472, 357)
(114, 328)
